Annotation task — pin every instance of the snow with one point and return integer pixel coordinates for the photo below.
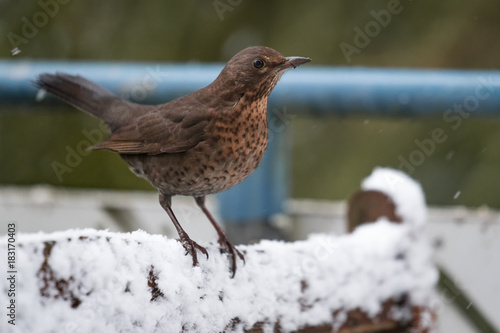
(406, 193)
(339, 272)
(114, 276)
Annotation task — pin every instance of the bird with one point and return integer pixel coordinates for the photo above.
(199, 144)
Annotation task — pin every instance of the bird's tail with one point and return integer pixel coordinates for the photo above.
(86, 96)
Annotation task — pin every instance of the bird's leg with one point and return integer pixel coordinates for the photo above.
(190, 245)
(224, 242)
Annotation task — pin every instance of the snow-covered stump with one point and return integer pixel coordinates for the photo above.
(377, 279)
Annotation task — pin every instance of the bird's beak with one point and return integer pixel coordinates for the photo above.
(294, 62)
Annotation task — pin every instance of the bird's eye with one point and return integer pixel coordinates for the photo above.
(258, 63)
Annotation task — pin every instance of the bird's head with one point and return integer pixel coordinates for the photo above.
(256, 70)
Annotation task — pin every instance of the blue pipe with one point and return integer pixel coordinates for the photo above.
(311, 89)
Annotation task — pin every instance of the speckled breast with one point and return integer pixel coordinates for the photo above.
(233, 149)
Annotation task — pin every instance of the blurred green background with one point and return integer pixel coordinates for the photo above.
(330, 156)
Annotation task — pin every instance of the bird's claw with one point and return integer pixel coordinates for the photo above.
(191, 246)
(227, 247)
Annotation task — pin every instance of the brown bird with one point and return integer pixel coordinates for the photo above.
(202, 143)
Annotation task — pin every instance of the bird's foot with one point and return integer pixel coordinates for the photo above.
(191, 246)
(227, 247)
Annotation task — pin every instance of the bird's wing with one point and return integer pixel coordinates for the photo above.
(171, 128)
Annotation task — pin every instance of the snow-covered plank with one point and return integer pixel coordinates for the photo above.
(89, 280)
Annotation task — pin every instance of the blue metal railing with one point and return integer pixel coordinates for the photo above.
(310, 89)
